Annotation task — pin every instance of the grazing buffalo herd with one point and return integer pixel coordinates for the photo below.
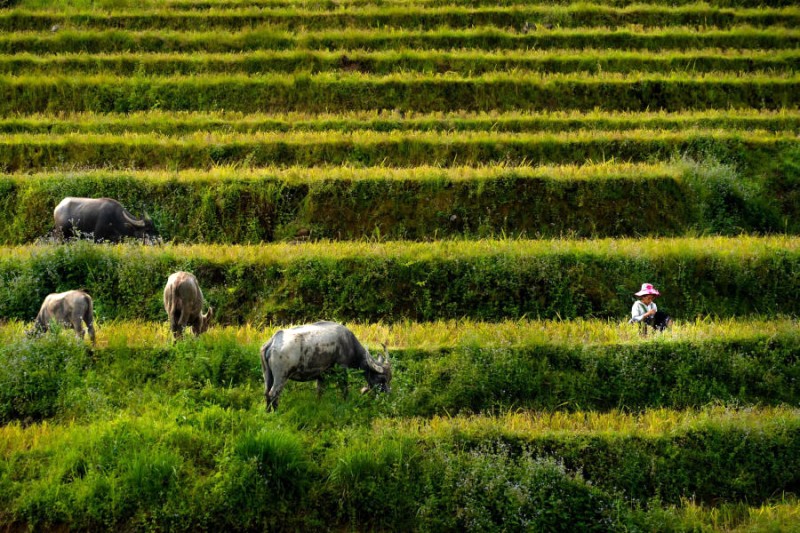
(302, 353)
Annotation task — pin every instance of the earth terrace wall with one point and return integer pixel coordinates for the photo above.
(573, 16)
(183, 123)
(321, 4)
(330, 92)
(659, 39)
(198, 475)
(484, 280)
(238, 206)
(752, 153)
(469, 63)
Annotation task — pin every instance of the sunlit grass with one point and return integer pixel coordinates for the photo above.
(516, 121)
(469, 62)
(449, 333)
(295, 174)
(653, 422)
(729, 248)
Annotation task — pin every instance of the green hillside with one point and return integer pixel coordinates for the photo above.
(482, 186)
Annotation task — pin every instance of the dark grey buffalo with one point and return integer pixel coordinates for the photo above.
(305, 353)
(69, 308)
(183, 301)
(102, 219)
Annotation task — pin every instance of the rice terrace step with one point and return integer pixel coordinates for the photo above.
(481, 186)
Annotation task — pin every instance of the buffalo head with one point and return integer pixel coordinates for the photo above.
(378, 373)
(205, 319)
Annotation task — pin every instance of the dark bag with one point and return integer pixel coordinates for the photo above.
(658, 321)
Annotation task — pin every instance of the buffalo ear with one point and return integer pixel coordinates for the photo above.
(385, 360)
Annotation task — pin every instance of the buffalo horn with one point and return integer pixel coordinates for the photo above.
(375, 366)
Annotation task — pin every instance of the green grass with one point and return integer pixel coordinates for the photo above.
(240, 205)
(385, 62)
(322, 4)
(186, 464)
(182, 123)
(160, 421)
(441, 336)
(522, 399)
(750, 151)
(655, 39)
(326, 92)
(484, 280)
(572, 16)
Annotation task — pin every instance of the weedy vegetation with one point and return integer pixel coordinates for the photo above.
(481, 186)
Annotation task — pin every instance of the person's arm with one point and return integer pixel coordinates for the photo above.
(639, 311)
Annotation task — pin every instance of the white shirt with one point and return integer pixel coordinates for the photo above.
(639, 309)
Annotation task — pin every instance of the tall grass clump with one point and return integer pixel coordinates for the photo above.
(263, 482)
(726, 202)
(365, 470)
(36, 375)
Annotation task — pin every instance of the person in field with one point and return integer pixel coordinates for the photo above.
(645, 311)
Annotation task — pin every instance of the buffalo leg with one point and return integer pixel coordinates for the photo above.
(175, 325)
(320, 388)
(268, 381)
(76, 321)
(195, 324)
(274, 393)
(90, 328)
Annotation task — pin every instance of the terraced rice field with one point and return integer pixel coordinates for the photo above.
(480, 185)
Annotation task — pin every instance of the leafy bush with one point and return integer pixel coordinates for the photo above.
(37, 375)
(493, 489)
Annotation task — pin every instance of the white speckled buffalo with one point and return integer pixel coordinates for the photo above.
(101, 219)
(183, 301)
(70, 308)
(305, 353)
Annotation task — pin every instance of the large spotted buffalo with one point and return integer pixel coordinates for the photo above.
(305, 353)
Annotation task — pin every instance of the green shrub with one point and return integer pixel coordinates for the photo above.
(262, 483)
(37, 375)
(602, 377)
(491, 488)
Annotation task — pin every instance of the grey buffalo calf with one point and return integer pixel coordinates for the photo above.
(183, 301)
(69, 308)
(305, 353)
(103, 219)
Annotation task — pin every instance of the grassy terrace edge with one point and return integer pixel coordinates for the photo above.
(385, 62)
(164, 467)
(657, 39)
(185, 122)
(418, 92)
(447, 367)
(484, 280)
(577, 15)
(42, 5)
(754, 153)
(238, 205)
